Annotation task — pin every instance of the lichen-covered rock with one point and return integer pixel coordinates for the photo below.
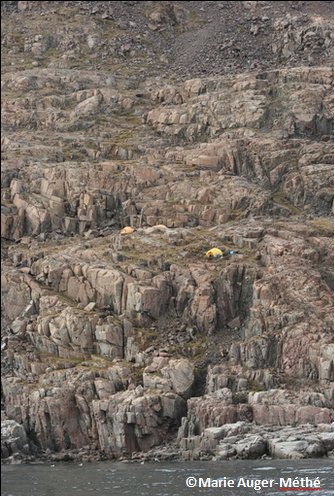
(14, 439)
(133, 421)
(170, 375)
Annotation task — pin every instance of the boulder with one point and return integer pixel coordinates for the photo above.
(170, 375)
(14, 439)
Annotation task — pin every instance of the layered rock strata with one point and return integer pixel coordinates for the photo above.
(131, 344)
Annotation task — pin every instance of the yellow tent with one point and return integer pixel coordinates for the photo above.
(127, 230)
(214, 252)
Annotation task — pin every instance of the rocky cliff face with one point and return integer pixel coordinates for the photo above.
(145, 114)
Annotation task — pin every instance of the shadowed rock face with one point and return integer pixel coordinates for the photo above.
(116, 344)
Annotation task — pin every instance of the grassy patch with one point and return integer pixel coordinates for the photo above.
(147, 337)
(195, 350)
(280, 199)
(137, 376)
(61, 361)
(238, 213)
(255, 387)
(324, 225)
(17, 39)
(240, 397)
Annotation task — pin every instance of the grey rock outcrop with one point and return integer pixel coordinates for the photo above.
(14, 439)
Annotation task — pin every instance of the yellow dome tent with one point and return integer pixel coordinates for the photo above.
(214, 253)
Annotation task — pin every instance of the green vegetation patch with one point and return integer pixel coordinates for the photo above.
(324, 225)
(280, 199)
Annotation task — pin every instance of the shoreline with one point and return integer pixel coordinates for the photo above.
(172, 453)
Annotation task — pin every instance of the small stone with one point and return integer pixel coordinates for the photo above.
(254, 30)
(90, 306)
(152, 27)
(25, 270)
(235, 323)
(105, 15)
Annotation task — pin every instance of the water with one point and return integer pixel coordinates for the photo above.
(158, 479)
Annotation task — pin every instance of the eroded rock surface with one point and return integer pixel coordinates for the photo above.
(137, 344)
